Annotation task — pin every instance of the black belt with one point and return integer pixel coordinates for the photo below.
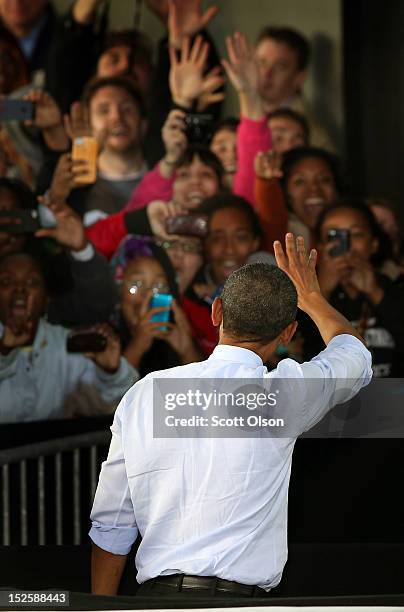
(210, 584)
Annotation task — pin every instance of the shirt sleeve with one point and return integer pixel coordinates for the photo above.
(252, 137)
(113, 519)
(334, 376)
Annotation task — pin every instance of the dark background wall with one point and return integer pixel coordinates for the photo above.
(373, 34)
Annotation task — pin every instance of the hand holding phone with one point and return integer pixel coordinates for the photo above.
(161, 300)
(16, 110)
(85, 341)
(86, 148)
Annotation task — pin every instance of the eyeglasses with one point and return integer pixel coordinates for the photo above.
(134, 286)
(185, 247)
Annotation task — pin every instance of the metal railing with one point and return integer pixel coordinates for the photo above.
(42, 484)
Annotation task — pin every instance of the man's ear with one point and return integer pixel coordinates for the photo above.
(288, 333)
(217, 312)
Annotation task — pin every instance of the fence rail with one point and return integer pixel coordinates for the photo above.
(47, 489)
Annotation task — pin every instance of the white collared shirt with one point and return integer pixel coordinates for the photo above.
(212, 506)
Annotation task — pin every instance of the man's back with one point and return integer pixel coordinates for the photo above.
(214, 506)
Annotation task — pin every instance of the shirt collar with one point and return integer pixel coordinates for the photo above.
(236, 354)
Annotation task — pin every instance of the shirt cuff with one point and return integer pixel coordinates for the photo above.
(85, 254)
(116, 540)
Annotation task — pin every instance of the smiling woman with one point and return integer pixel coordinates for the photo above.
(311, 181)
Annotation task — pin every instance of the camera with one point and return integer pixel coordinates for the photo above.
(198, 128)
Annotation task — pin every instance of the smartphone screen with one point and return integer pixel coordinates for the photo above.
(161, 300)
(342, 240)
(16, 110)
(86, 147)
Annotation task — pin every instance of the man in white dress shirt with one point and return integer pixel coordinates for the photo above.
(212, 512)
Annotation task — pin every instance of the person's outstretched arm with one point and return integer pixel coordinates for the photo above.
(253, 134)
(301, 269)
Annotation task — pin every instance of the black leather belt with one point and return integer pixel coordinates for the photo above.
(210, 584)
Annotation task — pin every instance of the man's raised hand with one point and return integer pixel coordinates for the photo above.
(300, 268)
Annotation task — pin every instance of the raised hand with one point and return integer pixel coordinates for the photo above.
(69, 231)
(212, 81)
(241, 67)
(242, 70)
(268, 165)
(77, 124)
(17, 333)
(48, 118)
(158, 212)
(67, 176)
(186, 73)
(47, 112)
(108, 360)
(179, 336)
(174, 137)
(363, 278)
(142, 329)
(332, 270)
(185, 18)
(300, 268)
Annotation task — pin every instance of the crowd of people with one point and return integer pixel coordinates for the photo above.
(181, 197)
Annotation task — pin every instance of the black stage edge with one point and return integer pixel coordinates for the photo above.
(83, 601)
(313, 572)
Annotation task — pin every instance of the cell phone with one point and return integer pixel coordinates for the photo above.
(343, 239)
(85, 341)
(198, 127)
(29, 222)
(187, 225)
(161, 300)
(16, 110)
(86, 148)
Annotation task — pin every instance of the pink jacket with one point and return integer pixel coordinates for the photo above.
(152, 187)
(252, 137)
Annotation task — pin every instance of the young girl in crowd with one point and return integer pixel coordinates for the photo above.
(199, 175)
(142, 270)
(310, 181)
(234, 234)
(224, 144)
(349, 279)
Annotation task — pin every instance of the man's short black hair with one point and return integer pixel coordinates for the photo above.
(259, 301)
(226, 200)
(293, 39)
(289, 113)
(121, 82)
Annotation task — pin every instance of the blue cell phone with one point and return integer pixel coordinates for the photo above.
(161, 300)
